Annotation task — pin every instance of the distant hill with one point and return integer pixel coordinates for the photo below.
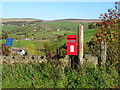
(18, 20)
(32, 19)
(80, 20)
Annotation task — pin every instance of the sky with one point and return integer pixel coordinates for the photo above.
(55, 10)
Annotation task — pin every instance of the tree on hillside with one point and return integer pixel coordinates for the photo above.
(108, 31)
(91, 26)
(4, 35)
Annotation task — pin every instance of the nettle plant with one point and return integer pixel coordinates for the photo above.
(109, 32)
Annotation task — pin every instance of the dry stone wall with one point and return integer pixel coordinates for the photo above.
(23, 59)
(66, 62)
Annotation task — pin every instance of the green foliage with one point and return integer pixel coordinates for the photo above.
(108, 77)
(62, 52)
(91, 26)
(86, 48)
(4, 35)
(31, 49)
(47, 46)
(6, 50)
(8, 28)
(49, 50)
(108, 31)
(47, 76)
(88, 34)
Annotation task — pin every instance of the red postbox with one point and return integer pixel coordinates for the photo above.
(71, 44)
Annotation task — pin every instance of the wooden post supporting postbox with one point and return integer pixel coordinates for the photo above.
(80, 43)
(75, 46)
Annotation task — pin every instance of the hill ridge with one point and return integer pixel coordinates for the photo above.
(34, 19)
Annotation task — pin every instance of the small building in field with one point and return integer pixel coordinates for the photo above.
(19, 51)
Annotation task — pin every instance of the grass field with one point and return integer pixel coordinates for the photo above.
(22, 43)
(88, 34)
(7, 28)
(87, 37)
(63, 24)
(47, 35)
(28, 31)
(42, 36)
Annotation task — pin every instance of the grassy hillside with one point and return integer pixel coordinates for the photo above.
(58, 28)
(63, 24)
(8, 28)
(88, 34)
(42, 32)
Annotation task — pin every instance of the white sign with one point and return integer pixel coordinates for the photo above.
(71, 48)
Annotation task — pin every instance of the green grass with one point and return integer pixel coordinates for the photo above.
(23, 43)
(88, 34)
(48, 76)
(67, 27)
(41, 34)
(64, 24)
(63, 32)
(27, 44)
(7, 28)
(1, 41)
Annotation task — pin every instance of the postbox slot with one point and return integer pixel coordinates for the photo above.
(71, 41)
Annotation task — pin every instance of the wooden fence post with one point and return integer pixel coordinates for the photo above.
(103, 52)
(80, 43)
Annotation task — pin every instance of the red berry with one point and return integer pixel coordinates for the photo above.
(116, 2)
(119, 34)
(108, 10)
(38, 77)
(106, 15)
(100, 14)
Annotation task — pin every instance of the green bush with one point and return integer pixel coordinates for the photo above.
(108, 78)
(86, 48)
(4, 35)
(108, 31)
(49, 76)
(91, 26)
(62, 52)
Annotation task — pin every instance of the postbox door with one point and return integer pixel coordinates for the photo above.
(71, 49)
